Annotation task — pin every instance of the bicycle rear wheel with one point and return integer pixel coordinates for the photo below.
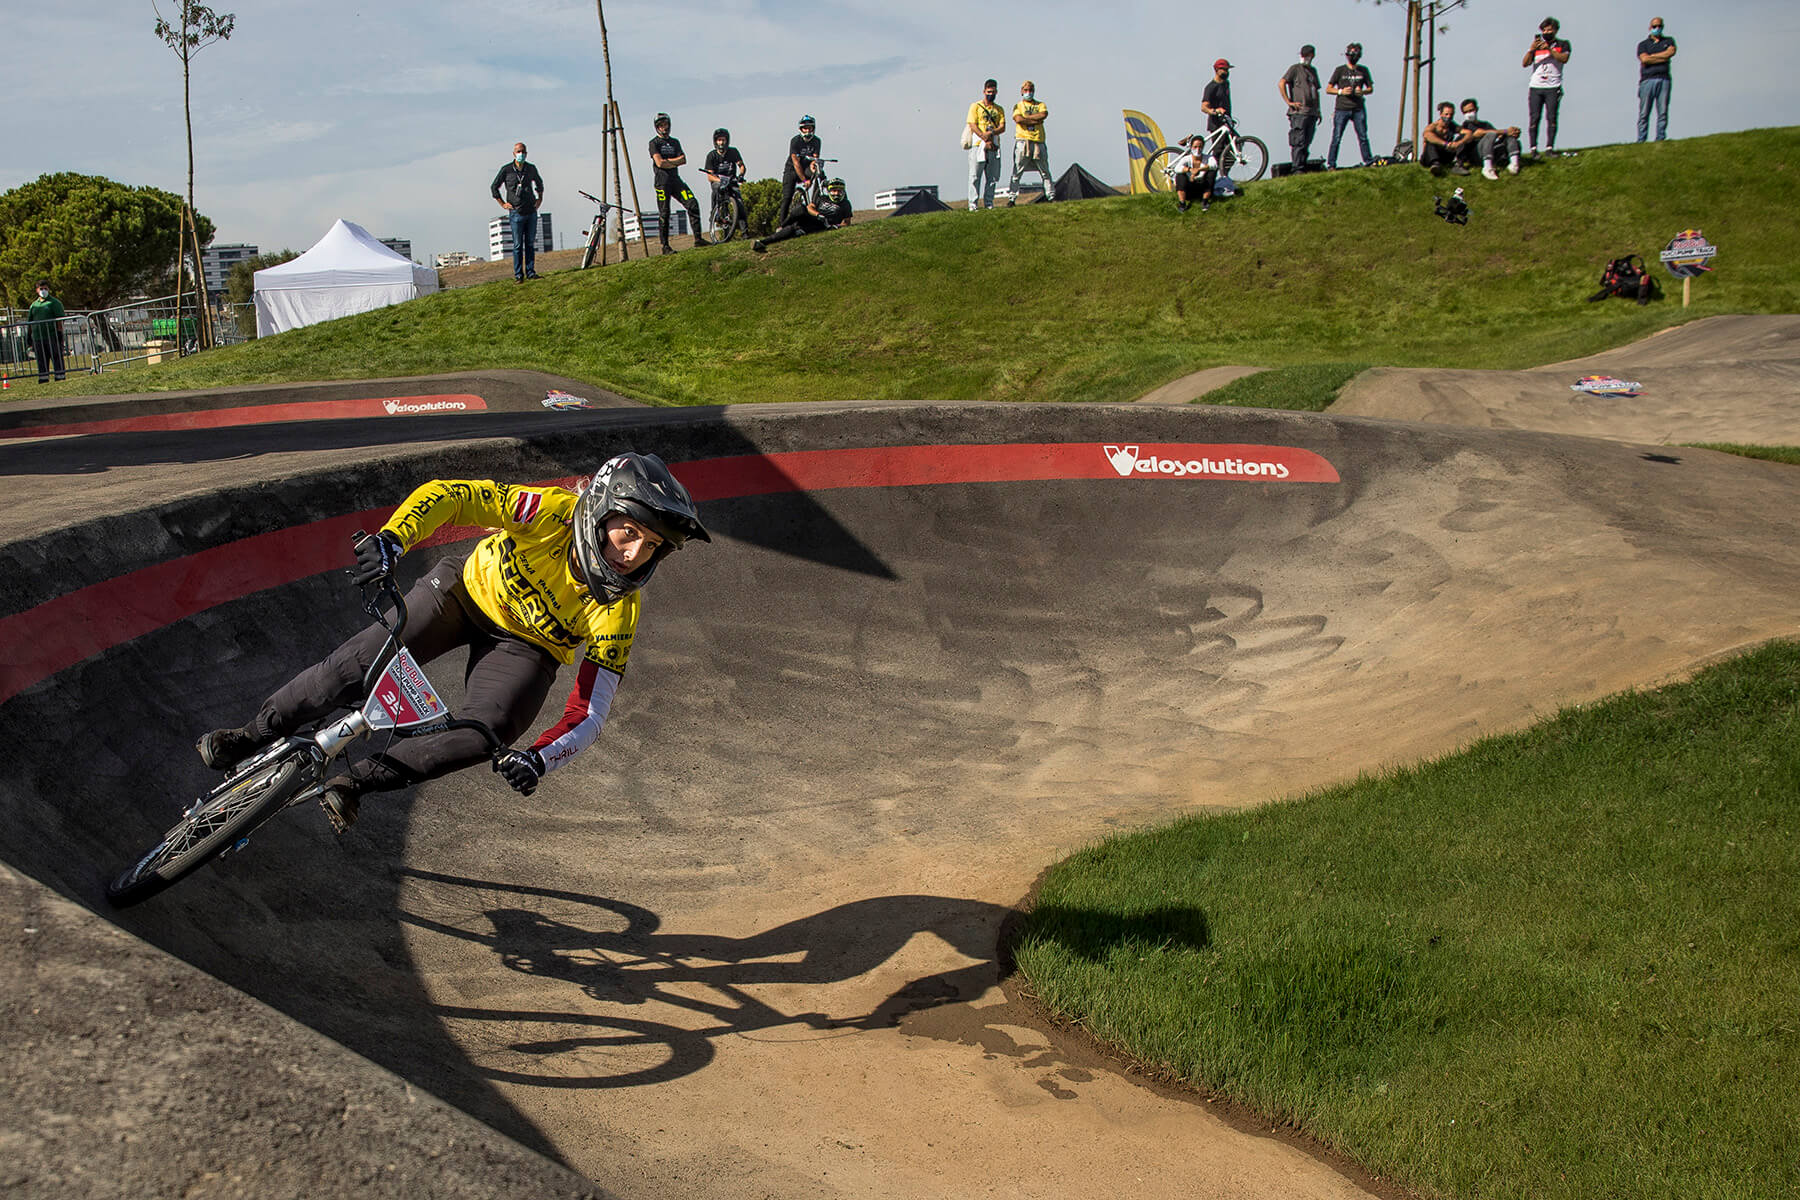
(593, 244)
(1249, 161)
(229, 812)
(1156, 169)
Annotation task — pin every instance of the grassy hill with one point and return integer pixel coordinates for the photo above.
(1105, 299)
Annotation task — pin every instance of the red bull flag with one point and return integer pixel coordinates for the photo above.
(1143, 139)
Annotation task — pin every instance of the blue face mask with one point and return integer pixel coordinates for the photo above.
(518, 158)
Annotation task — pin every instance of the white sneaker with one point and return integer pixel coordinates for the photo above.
(1512, 168)
(1488, 172)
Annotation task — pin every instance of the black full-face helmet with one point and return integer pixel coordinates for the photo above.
(721, 134)
(661, 120)
(638, 486)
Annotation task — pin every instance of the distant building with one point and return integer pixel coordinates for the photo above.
(678, 224)
(400, 246)
(216, 263)
(500, 242)
(455, 258)
(895, 197)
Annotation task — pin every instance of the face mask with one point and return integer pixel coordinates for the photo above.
(43, 293)
(518, 158)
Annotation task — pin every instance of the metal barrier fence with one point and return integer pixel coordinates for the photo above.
(144, 331)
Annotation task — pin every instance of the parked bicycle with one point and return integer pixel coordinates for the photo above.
(1241, 157)
(596, 232)
(398, 701)
(729, 216)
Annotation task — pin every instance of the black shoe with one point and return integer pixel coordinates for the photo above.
(341, 803)
(518, 279)
(700, 241)
(759, 246)
(531, 274)
(1459, 169)
(1205, 205)
(1009, 202)
(668, 249)
(1181, 206)
(223, 749)
(1436, 170)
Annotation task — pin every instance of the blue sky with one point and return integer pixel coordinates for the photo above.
(396, 115)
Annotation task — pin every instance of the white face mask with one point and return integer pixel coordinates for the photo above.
(43, 293)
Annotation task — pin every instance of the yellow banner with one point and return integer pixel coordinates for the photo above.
(1142, 139)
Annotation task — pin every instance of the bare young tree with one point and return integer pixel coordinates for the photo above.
(196, 28)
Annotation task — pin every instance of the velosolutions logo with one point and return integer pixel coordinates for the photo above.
(401, 407)
(1131, 461)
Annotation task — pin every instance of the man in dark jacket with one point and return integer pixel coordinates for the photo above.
(523, 193)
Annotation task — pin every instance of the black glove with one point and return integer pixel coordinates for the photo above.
(522, 769)
(375, 558)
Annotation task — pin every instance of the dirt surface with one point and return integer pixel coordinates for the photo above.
(1720, 379)
(1190, 388)
(746, 946)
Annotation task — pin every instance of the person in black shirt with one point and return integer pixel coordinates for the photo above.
(1487, 144)
(1215, 98)
(724, 162)
(524, 192)
(1299, 90)
(667, 156)
(832, 210)
(1350, 83)
(1654, 81)
(797, 170)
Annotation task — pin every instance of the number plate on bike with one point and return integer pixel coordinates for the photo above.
(403, 697)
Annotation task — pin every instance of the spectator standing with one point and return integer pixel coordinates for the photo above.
(1350, 83)
(1029, 150)
(1488, 144)
(1544, 58)
(1443, 142)
(829, 211)
(524, 193)
(723, 162)
(667, 157)
(1654, 80)
(987, 121)
(44, 324)
(798, 170)
(1215, 97)
(1299, 90)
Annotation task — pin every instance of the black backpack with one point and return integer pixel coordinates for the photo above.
(1626, 276)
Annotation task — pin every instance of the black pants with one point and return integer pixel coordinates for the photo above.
(504, 685)
(1544, 102)
(1433, 155)
(803, 223)
(1196, 187)
(1301, 128)
(668, 184)
(790, 183)
(49, 350)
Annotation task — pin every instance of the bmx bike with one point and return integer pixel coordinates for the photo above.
(596, 232)
(398, 700)
(1234, 152)
(729, 216)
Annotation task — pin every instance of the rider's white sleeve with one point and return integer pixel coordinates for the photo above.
(583, 716)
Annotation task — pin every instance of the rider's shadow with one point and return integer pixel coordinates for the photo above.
(615, 953)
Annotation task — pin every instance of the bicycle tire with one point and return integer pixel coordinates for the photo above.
(1156, 174)
(1254, 154)
(593, 245)
(229, 812)
(724, 220)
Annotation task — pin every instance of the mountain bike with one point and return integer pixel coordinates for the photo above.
(1243, 158)
(728, 212)
(596, 233)
(810, 191)
(398, 700)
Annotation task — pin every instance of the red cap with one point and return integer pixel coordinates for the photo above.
(1220, 63)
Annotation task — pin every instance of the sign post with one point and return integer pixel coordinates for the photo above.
(1687, 255)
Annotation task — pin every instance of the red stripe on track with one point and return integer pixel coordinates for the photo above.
(260, 414)
(59, 633)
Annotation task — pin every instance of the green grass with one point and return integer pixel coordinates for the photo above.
(1308, 388)
(1564, 963)
(1104, 299)
(1780, 454)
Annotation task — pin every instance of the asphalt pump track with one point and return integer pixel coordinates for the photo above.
(746, 945)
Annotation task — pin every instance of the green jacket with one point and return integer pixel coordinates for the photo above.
(43, 315)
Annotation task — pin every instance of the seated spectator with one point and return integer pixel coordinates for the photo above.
(1196, 172)
(1487, 145)
(832, 210)
(1444, 142)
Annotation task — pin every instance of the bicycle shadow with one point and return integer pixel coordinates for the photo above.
(615, 953)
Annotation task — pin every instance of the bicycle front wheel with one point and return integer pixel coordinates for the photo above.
(593, 245)
(1247, 161)
(724, 219)
(231, 811)
(1157, 176)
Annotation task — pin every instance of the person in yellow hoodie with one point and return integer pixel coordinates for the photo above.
(560, 575)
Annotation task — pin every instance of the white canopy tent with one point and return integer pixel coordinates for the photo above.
(347, 272)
